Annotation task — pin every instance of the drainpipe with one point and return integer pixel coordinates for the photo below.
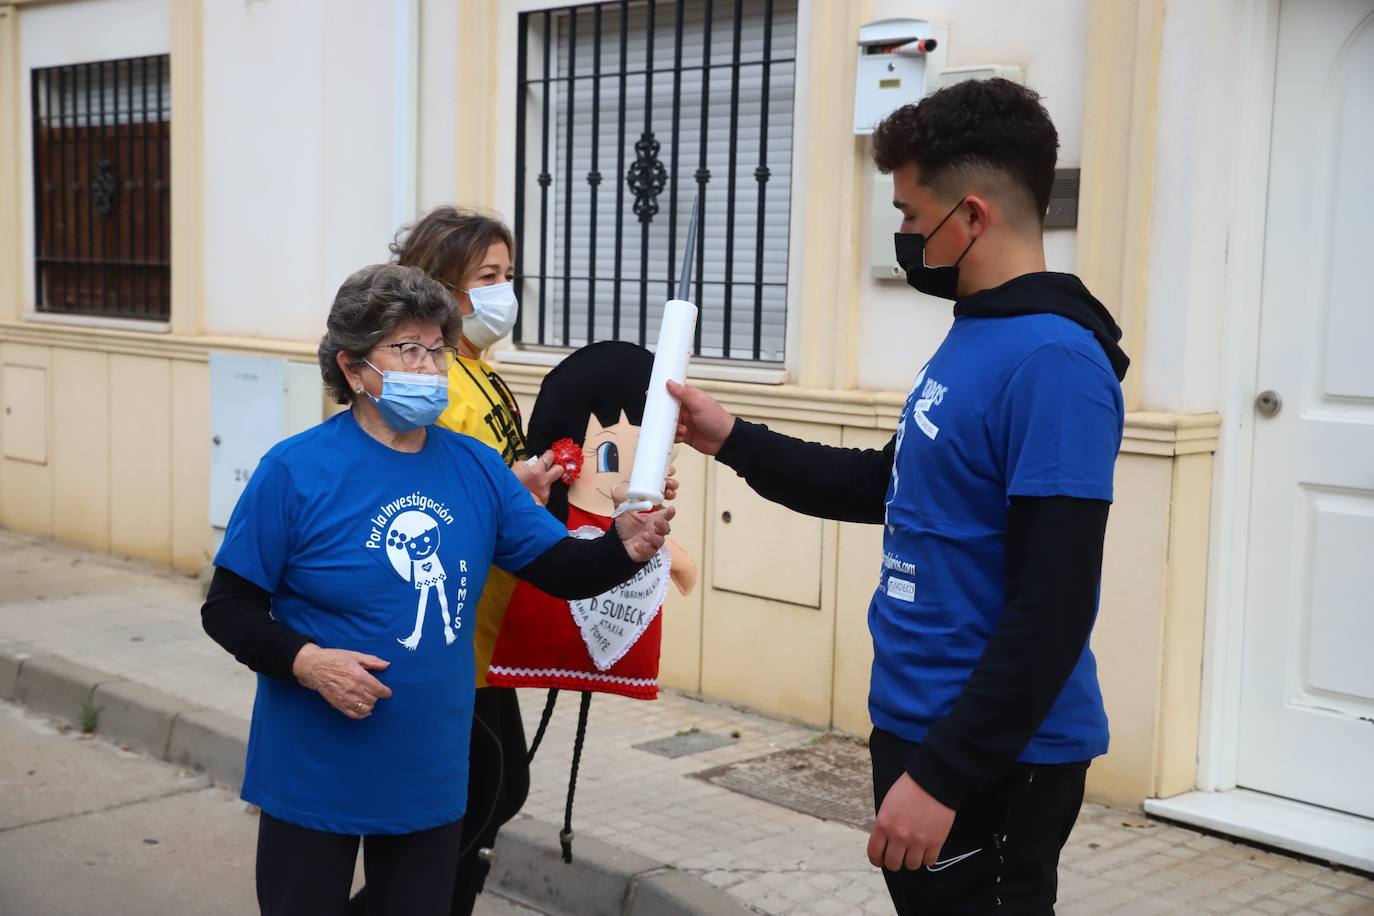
(405, 111)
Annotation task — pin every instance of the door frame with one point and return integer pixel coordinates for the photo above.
(1255, 41)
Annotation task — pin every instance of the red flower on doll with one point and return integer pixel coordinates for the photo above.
(568, 454)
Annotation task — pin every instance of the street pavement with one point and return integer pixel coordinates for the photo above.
(142, 623)
(90, 829)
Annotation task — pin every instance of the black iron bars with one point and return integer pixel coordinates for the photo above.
(761, 175)
(647, 164)
(101, 199)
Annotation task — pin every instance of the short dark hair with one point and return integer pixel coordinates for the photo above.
(988, 126)
(369, 306)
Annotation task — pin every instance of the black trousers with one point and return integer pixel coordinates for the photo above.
(498, 783)
(1002, 854)
(304, 872)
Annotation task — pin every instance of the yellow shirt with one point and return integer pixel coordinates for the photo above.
(480, 405)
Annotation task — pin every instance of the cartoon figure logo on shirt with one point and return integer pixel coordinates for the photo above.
(412, 546)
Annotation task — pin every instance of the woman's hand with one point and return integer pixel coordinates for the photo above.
(701, 422)
(683, 570)
(342, 678)
(621, 491)
(539, 476)
(643, 533)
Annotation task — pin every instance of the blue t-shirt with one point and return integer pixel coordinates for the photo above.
(1020, 406)
(383, 552)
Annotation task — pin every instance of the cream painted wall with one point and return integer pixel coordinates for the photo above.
(1048, 40)
(439, 130)
(1185, 611)
(859, 565)
(27, 486)
(140, 389)
(1149, 634)
(680, 663)
(190, 529)
(1199, 123)
(898, 329)
(129, 471)
(81, 31)
(81, 448)
(12, 262)
(270, 188)
(767, 653)
(127, 433)
(307, 174)
(1128, 637)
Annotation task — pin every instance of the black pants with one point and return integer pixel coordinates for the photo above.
(498, 783)
(1011, 833)
(303, 872)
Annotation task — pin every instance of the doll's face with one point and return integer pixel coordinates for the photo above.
(421, 545)
(608, 453)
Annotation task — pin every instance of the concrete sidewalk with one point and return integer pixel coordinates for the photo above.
(650, 839)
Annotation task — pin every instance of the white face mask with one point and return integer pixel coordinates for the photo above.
(493, 314)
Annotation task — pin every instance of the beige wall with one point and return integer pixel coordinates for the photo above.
(124, 422)
(11, 263)
(107, 444)
(125, 463)
(1149, 633)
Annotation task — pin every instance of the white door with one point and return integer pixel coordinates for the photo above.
(1307, 708)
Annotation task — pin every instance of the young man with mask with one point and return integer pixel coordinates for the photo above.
(993, 495)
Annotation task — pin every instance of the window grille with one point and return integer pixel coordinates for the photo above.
(624, 110)
(101, 190)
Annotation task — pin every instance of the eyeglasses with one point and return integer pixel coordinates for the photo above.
(413, 355)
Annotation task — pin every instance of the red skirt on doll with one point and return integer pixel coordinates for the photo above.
(606, 644)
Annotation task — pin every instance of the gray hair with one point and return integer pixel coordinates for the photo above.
(369, 306)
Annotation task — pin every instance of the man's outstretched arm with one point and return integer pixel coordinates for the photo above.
(848, 484)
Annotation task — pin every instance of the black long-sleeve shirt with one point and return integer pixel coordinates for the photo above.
(237, 614)
(1053, 566)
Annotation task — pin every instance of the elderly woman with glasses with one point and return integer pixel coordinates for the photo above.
(348, 579)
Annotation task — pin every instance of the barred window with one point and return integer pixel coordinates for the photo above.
(624, 111)
(102, 198)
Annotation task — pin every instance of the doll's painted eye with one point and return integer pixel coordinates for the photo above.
(607, 457)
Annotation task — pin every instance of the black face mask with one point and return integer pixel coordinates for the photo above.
(911, 257)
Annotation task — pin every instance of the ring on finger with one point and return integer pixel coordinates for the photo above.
(358, 705)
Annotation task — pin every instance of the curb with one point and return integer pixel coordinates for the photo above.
(602, 880)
